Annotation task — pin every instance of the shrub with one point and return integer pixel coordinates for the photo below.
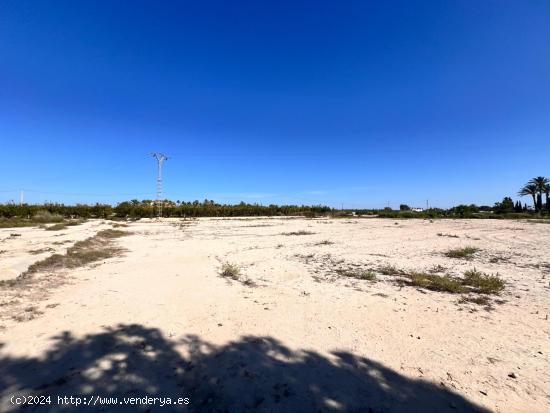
(229, 270)
(483, 283)
(444, 283)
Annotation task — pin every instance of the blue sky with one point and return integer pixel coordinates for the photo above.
(361, 103)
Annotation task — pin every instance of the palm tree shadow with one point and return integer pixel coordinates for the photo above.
(253, 374)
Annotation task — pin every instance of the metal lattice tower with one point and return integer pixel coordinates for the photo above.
(160, 157)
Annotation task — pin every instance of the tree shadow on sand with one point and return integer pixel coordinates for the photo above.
(254, 374)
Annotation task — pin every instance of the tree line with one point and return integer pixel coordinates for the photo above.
(209, 208)
(147, 209)
(537, 188)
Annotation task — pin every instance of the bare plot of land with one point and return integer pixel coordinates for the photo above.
(274, 314)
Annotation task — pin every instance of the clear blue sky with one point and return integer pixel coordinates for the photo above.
(359, 102)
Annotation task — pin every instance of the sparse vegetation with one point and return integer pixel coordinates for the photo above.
(301, 232)
(324, 242)
(464, 253)
(63, 225)
(46, 217)
(434, 282)
(441, 234)
(358, 274)
(233, 272)
(473, 281)
(388, 269)
(538, 221)
(479, 300)
(229, 270)
(40, 251)
(112, 233)
(437, 269)
(483, 283)
(90, 250)
(12, 215)
(498, 258)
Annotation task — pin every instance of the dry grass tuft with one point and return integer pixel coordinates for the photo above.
(324, 242)
(233, 272)
(301, 232)
(479, 300)
(368, 275)
(441, 234)
(112, 233)
(117, 225)
(437, 269)
(464, 253)
(230, 270)
(62, 225)
(389, 269)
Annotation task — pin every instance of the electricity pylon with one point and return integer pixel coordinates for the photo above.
(160, 157)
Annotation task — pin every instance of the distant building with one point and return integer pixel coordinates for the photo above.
(417, 209)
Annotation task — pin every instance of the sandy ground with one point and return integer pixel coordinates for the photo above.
(291, 335)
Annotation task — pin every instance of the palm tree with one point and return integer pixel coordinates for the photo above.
(540, 182)
(530, 189)
(546, 190)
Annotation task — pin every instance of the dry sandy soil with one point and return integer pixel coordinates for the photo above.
(292, 332)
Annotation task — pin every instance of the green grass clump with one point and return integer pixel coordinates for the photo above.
(443, 283)
(429, 281)
(483, 283)
(473, 281)
(464, 253)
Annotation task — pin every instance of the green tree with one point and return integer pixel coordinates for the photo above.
(507, 205)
